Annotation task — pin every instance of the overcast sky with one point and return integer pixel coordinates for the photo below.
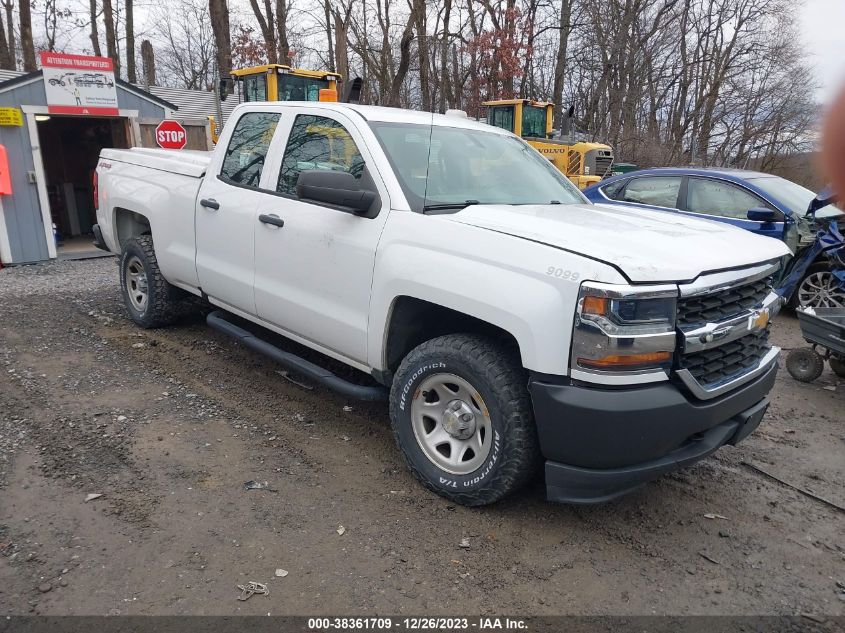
(823, 32)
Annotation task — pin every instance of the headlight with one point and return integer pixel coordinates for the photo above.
(623, 329)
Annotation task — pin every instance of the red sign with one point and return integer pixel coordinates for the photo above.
(79, 62)
(171, 135)
(79, 84)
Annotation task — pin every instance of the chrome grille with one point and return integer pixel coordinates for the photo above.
(721, 305)
(727, 361)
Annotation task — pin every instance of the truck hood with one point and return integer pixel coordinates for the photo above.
(646, 246)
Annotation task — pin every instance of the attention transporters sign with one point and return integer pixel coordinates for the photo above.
(79, 84)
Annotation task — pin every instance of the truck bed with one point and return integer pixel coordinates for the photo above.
(191, 163)
(159, 188)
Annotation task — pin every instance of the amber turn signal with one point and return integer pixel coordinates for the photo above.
(594, 305)
(626, 361)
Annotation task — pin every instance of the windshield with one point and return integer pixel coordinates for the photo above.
(795, 197)
(533, 122)
(454, 167)
(295, 88)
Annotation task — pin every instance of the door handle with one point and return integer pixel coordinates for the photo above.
(210, 203)
(273, 219)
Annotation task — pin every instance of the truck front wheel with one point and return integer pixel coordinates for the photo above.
(151, 301)
(462, 417)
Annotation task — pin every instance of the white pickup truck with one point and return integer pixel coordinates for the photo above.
(510, 322)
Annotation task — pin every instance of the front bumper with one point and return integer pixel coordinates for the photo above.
(602, 443)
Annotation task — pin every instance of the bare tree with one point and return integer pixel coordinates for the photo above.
(662, 81)
(564, 27)
(27, 44)
(94, 35)
(219, 16)
(5, 53)
(130, 43)
(9, 6)
(111, 36)
(327, 12)
(148, 63)
(186, 45)
(266, 22)
(282, 31)
(417, 7)
(341, 41)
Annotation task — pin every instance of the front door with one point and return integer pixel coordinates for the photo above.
(313, 275)
(727, 202)
(227, 208)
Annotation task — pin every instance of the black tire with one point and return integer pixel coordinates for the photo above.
(804, 364)
(496, 376)
(837, 365)
(164, 303)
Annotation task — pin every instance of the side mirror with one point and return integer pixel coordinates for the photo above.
(337, 188)
(822, 199)
(761, 214)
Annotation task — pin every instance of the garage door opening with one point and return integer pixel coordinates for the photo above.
(70, 148)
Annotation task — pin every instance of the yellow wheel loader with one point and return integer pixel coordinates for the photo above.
(583, 163)
(278, 82)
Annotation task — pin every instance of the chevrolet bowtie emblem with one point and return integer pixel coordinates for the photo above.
(759, 319)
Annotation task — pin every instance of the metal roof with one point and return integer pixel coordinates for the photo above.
(194, 104)
(5, 75)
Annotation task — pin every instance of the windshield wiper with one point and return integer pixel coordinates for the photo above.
(449, 205)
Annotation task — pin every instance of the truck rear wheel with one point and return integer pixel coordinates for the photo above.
(151, 301)
(462, 417)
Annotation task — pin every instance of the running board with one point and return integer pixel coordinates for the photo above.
(318, 374)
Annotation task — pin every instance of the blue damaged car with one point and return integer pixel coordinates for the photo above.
(761, 203)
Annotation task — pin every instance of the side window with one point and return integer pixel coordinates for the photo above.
(501, 116)
(658, 191)
(244, 158)
(716, 197)
(614, 189)
(318, 142)
(255, 87)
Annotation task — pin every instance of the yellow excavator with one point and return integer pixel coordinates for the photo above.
(278, 82)
(584, 164)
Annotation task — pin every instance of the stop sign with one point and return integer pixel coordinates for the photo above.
(171, 135)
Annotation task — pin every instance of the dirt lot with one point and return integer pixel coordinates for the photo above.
(168, 425)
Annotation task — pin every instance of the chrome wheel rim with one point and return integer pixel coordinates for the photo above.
(821, 290)
(451, 424)
(136, 283)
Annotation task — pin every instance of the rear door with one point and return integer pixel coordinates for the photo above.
(227, 208)
(716, 199)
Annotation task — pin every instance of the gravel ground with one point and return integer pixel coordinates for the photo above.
(167, 425)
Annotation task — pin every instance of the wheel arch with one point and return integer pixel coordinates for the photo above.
(412, 321)
(129, 224)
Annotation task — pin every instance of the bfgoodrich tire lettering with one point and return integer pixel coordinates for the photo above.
(150, 300)
(496, 390)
